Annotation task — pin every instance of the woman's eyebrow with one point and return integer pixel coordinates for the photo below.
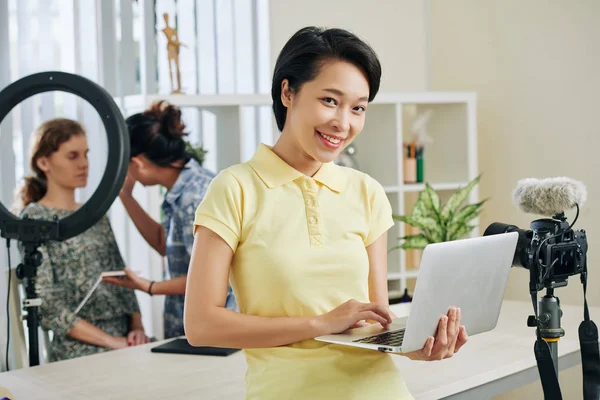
(340, 93)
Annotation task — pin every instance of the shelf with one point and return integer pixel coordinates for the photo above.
(140, 101)
(418, 187)
(392, 189)
(399, 275)
(194, 100)
(424, 98)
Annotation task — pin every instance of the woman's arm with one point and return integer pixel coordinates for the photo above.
(151, 231)
(173, 286)
(208, 323)
(88, 333)
(378, 270)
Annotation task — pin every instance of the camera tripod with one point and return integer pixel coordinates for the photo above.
(548, 324)
(549, 332)
(26, 271)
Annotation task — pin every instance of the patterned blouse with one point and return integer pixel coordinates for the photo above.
(68, 271)
(179, 211)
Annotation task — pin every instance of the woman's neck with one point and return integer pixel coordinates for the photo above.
(60, 198)
(290, 152)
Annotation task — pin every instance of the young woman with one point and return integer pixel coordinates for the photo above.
(111, 317)
(304, 239)
(159, 157)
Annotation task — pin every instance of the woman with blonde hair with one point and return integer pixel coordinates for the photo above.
(111, 317)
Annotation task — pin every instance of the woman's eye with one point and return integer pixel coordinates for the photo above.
(360, 108)
(329, 100)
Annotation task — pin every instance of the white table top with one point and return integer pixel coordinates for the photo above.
(492, 361)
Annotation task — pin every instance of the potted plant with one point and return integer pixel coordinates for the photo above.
(199, 152)
(437, 223)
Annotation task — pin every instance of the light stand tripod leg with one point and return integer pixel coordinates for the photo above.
(26, 271)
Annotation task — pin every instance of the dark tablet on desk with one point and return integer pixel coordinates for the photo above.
(181, 346)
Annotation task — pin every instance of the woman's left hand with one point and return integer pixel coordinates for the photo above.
(137, 336)
(131, 281)
(450, 337)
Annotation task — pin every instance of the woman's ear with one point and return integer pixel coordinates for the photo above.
(286, 93)
(137, 162)
(43, 164)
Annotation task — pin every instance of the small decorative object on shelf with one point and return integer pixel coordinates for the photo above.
(173, 47)
(347, 158)
(439, 223)
(413, 151)
(406, 298)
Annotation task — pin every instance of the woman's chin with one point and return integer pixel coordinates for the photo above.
(326, 156)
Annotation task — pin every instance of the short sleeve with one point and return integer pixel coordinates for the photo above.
(380, 211)
(221, 209)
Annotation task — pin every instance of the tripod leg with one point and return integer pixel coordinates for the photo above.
(34, 348)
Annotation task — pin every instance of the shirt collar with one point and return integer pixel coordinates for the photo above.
(186, 174)
(275, 172)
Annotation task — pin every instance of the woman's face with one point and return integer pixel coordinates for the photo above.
(144, 171)
(68, 166)
(327, 113)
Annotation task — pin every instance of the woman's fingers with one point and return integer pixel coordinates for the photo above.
(376, 308)
(454, 318)
(462, 338)
(373, 316)
(441, 339)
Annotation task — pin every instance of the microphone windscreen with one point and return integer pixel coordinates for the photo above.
(549, 196)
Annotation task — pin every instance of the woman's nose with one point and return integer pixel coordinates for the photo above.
(342, 121)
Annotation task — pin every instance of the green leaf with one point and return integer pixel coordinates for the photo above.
(199, 152)
(457, 199)
(431, 199)
(420, 208)
(468, 212)
(462, 231)
(414, 242)
(421, 222)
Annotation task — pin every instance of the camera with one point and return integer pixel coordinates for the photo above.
(551, 250)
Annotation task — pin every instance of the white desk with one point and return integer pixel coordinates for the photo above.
(490, 363)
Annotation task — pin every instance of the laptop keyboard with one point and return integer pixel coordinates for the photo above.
(392, 338)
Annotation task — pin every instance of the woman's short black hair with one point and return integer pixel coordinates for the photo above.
(158, 134)
(304, 54)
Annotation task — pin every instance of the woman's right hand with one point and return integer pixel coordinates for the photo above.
(117, 342)
(351, 313)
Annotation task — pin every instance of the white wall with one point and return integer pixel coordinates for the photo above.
(395, 29)
(534, 66)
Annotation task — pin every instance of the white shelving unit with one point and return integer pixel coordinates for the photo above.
(450, 161)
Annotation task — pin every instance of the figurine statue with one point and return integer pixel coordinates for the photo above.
(173, 46)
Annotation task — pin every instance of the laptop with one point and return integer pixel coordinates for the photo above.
(469, 273)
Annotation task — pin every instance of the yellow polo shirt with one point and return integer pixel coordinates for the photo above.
(300, 250)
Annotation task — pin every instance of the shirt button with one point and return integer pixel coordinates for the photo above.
(312, 220)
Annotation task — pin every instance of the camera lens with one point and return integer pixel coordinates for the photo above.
(521, 258)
